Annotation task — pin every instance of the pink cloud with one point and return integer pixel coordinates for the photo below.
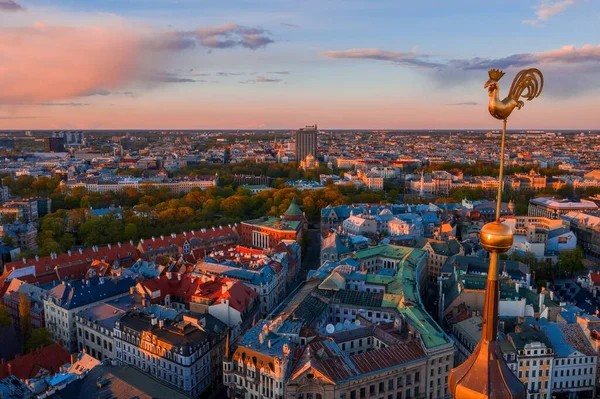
(571, 54)
(42, 63)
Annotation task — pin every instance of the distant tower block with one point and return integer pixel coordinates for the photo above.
(306, 142)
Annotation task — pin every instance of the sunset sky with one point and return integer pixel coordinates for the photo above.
(199, 64)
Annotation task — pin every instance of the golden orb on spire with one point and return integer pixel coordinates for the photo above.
(496, 237)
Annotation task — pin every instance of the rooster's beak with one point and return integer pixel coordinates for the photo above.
(489, 82)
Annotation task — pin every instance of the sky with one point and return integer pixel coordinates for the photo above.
(278, 64)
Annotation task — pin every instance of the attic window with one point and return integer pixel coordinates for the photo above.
(310, 376)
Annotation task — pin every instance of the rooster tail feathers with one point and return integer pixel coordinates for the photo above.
(528, 84)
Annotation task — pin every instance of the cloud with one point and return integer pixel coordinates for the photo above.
(43, 63)
(68, 104)
(171, 41)
(232, 35)
(462, 104)
(563, 55)
(547, 9)
(18, 117)
(289, 25)
(212, 37)
(166, 77)
(280, 72)
(407, 59)
(230, 73)
(102, 93)
(262, 79)
(10, 5)
(569, 70)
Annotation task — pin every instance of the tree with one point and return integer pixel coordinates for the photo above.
(571, 261)
(39, 337)
(24, 316)
(5, 319)
(6, 239)
(131, 232)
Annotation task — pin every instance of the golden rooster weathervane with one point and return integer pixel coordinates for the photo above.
(485, 375)
(528, 84)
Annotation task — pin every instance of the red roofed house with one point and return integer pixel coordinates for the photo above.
(594, 283)
(170, 289)
(73, 264)
(229, 300)
(176, 245)
(40, 362)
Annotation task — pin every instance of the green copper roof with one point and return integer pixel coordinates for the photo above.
(401, 293)
(275, 223)
(293, 209)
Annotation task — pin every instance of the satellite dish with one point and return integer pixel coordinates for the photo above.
(338, 327)
(357, 323)
(330, 329)
(346, 322)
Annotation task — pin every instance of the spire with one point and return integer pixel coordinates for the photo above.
(293, 210)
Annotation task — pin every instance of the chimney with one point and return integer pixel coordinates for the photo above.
(109, 247)
(153, 239)
(80, 251)
(162, 237)
(119, 244)
(161, 323)
(224, 288)
(153, 321)
(179, 276)
(69, 252)
(24, 261)
(169, 275)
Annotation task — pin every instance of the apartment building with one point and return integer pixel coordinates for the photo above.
(176, 353)
(95, 327)
(68, 298)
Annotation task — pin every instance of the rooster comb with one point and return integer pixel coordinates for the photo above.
(495, 74)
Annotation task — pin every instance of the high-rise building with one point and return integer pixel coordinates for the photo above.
(55, 144)
(306, 142)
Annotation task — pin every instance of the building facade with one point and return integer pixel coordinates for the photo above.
(177, 354)
(65, 300)
(306, 142)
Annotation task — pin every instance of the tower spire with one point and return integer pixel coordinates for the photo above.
(485, 374)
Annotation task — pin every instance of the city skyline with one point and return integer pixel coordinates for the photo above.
(280, 65)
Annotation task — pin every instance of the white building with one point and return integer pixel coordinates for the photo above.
(69, 298)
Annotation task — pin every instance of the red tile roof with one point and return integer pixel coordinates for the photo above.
(40, 362)
(109, 254)
(173, 284)
(238, 294)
